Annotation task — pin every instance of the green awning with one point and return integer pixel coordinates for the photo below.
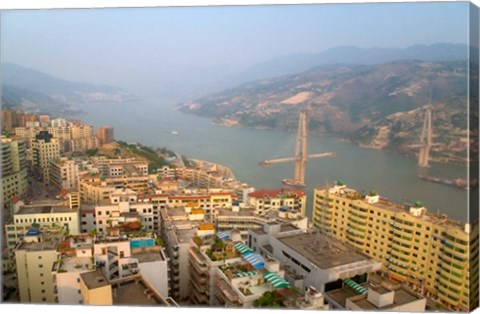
(244, 274)
(242, 248)
(276, 280)
(355, 286)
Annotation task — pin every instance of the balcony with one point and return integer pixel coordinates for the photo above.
(226, 291)
(200, 298)
(200, 260)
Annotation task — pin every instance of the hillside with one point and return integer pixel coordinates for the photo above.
(378, 106)
(33, 90)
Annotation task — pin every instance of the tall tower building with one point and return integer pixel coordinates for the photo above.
(81, 131)
(64, 173)
(14, 168)
(34, 258)
(432, 254)
(105, 134)
(44, 149)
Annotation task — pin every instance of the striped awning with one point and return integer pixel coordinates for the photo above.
(242, 248)
(277, 281)
(355, 286)
(244, 274)
(223, 235)
(255, 260)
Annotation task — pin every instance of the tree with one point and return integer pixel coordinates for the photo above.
(269, 299)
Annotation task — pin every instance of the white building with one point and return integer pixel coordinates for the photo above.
(123, 208)
(64, 173)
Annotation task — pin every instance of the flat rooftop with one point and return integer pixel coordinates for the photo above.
(95, 279)
(47, 242)
(44, 209)
(77, 264)
(243, 212)
(401, 297)
(148, 257)
(135, 292)
(341, 295)
(322, 251)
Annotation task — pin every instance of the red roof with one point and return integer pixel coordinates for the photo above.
(16, 199)
(275, 193)
(64, 192)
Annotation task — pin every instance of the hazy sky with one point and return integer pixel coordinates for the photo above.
(127, 47)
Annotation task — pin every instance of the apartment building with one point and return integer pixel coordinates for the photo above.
(82, 144)
(96, 289)
(34, 257)
(44, 149)
(123, 208)
(264, 200)
(95, 187)
(117, 258)
(430, 253)
(64, 173)
(14, 168)
(48, 216)
(178, 227)
(105, 134)
(79, 130)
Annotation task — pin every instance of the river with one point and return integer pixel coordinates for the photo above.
(391, 175)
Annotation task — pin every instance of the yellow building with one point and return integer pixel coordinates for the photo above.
(80, 131)
(44, 149)
(432, 254)
(34, 258)
(94, 187)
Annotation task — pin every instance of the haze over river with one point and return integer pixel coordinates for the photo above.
(391, 175)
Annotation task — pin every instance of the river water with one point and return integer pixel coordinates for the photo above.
(391, 175)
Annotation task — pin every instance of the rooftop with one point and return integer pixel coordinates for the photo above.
(135, 292)
(276, 193)
(322, 251)
(385, 204)
(401, 297)
(341, 295)
(44, 209)
(95, 279)
(46, 242)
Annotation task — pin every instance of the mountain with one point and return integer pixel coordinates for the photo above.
(37, 91)
(295, 63)
(378, 106)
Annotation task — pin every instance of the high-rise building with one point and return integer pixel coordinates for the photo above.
(432, 254)
(44, 149)
(34, 258)
(14, 168)
(64, 173)
(58, 122)
(105, 134)
(44, 120)
(80, 131)
(8, 120)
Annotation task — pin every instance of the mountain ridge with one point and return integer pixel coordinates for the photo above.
(378, 106)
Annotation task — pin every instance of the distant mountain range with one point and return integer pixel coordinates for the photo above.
(33, 90)
(378, 106)
(295, 63)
